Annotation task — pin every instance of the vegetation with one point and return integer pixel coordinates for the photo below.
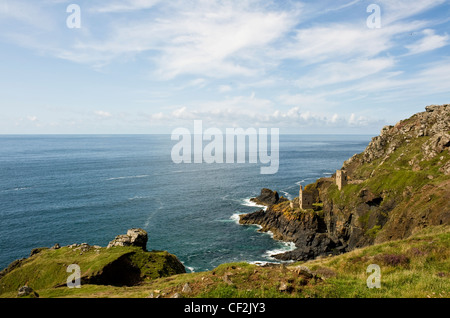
(416, 267)
(120, 266)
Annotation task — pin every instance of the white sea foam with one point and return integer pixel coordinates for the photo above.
(288, 246)
(21, 188)
(248, 202)
(300, 182)
(129, 177)
(137, 197)
(287, 195)
(235, 217)
(191, 269)
(261, 263)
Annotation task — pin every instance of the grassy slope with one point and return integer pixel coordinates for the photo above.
(47, 269)
(416, 267)
(426, 189)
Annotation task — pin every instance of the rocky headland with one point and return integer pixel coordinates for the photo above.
(397, 186)
(124, 262)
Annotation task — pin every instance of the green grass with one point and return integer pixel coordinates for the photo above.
(47, 269)
(418, 267)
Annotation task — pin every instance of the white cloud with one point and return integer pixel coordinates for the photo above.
(393, 11)
(303, 67)
(253, 112)
(103, 114)
(26, 12)
(125, 6)
(429, 42)
(203, 38)
(340, 72)
(224, 88)
(308, 101)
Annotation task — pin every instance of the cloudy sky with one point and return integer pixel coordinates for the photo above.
(150, 66)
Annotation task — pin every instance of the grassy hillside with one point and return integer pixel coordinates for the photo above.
(416, 267)
(118, 266)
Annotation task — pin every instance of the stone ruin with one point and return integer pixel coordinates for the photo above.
(341, 179)
(305, 199)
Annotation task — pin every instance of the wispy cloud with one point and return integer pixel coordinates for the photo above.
(340, 72)
(124, 6)
(429, 42)
(103, 114)
(240, 62)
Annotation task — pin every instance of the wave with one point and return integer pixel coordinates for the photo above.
(262, 263)
(21, 188)
(248, 202)
(137, 197)
(191, 269)
(288, 246)
(16, 189)
(188, 268)
(235, 217)
(286, 195)
(128, 177)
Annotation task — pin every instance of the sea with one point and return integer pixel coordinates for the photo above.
(69, 189)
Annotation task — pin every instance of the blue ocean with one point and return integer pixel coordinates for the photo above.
(89, 188)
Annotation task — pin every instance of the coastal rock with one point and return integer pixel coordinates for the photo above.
(434, 123)
(186, 289)
(25, 291)
(436, 144)
(397, 186)
(37, 250)
(134, 237)
(307, 232)
(268, 198)
(303, 270)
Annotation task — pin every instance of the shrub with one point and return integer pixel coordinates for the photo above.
(393, 259)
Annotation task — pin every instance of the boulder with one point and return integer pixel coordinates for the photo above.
(268, 197)
(26, 291)
(134, 237)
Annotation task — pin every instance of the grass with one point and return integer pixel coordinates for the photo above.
(418, 267)
(47, 269)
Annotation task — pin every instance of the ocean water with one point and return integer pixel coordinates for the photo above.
(89, 188)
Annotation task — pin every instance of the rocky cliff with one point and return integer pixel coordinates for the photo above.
(398, 185)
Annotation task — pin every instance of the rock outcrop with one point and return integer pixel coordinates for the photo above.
(268, 198)
(134, 237)
(433, 123)
(398, 185)
(26, 291)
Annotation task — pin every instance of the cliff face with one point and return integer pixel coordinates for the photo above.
(398, 185)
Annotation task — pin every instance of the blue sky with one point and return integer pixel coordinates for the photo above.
(150, 66)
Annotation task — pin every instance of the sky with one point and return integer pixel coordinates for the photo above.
(151, 66)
